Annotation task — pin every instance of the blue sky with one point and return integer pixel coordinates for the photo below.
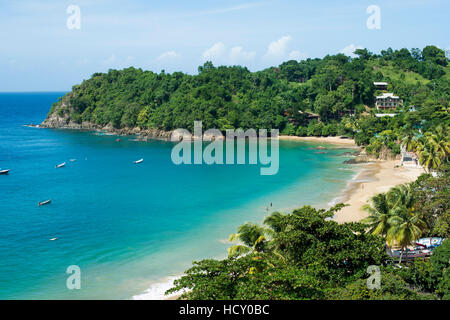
(39, 53)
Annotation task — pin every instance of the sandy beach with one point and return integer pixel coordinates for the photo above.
(332, 140)
(376, 177)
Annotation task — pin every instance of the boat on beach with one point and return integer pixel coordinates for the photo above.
(43, 203)
(138, 161)
(60, 165)
(6, 171)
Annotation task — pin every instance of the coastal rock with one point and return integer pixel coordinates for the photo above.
(60, 119)
(363, 157)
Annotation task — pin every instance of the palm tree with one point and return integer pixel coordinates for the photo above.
(274, 221)
(379, 214)
(430, 155)
(406, 226)
(409, 140)
(255, 238)
(401, 195)
(392, 215)
(441, 140)
(251, 235)
(405, 223)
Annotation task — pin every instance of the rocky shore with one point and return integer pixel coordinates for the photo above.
(56, 121)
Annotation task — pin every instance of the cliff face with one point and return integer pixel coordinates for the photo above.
(364, 157)
(61, 120)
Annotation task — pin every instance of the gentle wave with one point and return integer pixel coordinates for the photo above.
(157, 291)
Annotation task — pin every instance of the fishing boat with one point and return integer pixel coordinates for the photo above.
(43, 203)
(73, 160)
(4, 171)
(430, 242)
(53, 239)
(60, 165)
(409, 254)
(138, 161)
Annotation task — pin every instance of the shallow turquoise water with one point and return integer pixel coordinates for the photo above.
(128, 226)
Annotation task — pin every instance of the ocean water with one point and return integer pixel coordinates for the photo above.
(130, 228)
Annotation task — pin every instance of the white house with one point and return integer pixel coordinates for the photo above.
(387, 101)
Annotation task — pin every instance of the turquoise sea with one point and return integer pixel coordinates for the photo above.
(129, 228)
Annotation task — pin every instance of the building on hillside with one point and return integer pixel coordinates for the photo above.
(302, 116)
(388, 101)
(380, 85)
(310, 116)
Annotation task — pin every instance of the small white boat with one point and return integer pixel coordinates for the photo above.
(4, 171)
(60, 165)
(138, 161)
(73, 160)
(53, 239)
(43, 203)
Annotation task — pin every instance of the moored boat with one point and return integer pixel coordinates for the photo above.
(138, 161)
(60, 165)
(43, 203)
(6, 171)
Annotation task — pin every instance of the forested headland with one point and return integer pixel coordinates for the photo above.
(314, 97)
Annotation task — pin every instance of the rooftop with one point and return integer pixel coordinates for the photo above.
(387, 95)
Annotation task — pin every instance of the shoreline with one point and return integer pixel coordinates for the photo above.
(375, 177)
(337, 140)
(157, 134)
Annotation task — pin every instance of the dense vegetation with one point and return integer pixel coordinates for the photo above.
(314, 97)
(304, 255)
(334, 87)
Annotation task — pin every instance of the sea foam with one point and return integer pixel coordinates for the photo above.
(156, 291)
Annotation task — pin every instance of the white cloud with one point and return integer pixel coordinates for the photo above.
(296, 55)
(169, 55)
(228, 9)
(447, 52)
(219, 53)
(238, 54)
(215, 52)
(350, 49)
(110, 60)
(277, 49)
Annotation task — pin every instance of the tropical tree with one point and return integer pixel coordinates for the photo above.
(430, 155)
(406, 224)
(252, 237)
(440, 138)
(409, 140)
(256, 238)
(379, 215)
